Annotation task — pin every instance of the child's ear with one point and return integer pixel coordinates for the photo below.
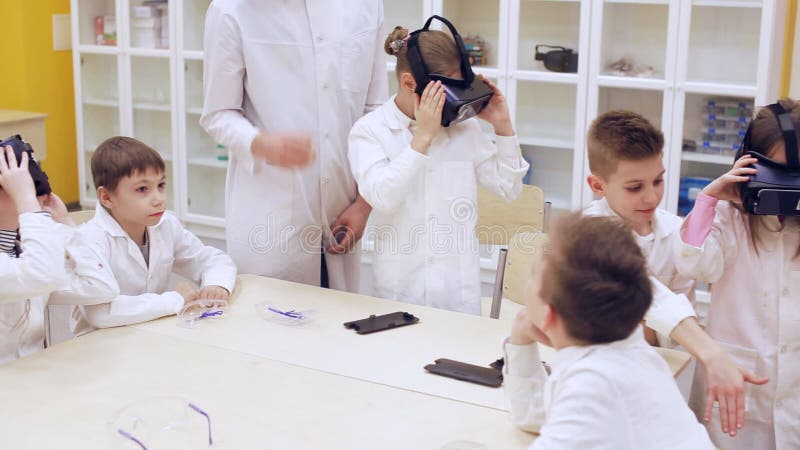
(596, 184)
(104, 197)
(550, 318)
(407, 82)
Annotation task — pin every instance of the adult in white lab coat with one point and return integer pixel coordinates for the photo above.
(281, 80)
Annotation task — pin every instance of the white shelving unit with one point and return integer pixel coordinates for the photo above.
(698, 50)
(152, 94)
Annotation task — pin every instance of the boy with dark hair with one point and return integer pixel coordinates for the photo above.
(608, 388)
(140, 245)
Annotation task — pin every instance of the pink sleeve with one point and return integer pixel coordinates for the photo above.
(698, 223)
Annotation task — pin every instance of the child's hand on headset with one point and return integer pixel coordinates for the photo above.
(428, 114)
(496, 112)
(726, 186)
(16, 180)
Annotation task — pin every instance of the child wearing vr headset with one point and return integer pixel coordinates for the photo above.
(418, 160)
(607, 389)
(743, 239)
(31, 249)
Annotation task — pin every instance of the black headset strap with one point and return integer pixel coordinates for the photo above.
(417, 63)
(789, 135)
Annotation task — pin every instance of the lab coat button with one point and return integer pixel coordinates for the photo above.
(325, 180)
(784, 348)
(785, 291)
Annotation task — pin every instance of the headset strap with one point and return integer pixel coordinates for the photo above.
(789, 136)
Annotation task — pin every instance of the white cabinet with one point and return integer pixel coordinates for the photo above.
(691, 52)
(151, 89)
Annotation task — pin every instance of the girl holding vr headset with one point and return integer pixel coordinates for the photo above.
(418, 160)
(744, 239)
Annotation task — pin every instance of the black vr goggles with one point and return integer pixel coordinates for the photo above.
(559, 59)
(465, 97)
(775, 189)
(39, 177)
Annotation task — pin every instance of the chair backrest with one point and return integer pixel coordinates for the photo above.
(525, 253)
(499, 220)
(80, 217)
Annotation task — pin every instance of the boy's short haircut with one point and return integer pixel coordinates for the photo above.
(120, 157)
(621, 136)
(595, 277)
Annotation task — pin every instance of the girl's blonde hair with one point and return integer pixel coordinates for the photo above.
(438, 50)
(766, 137)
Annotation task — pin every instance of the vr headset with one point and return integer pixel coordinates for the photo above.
(40, 180)
(560, 59)
(775, 189)
(465, 97)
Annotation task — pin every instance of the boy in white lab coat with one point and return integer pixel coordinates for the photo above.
(139, 245)
(625, 153)
(608, 389)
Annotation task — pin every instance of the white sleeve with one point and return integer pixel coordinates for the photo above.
(707, 262)
(500, 167)
(89, 277)
(40, 268)
(132, 309)
(378, 91)
(523, 381)
(383, 183)
(667, 310)
(223, 86)
(585, 412)
(203, 264)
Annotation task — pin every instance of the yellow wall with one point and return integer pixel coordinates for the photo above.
(37, 78)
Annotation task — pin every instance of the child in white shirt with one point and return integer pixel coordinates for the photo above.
(753, 265)
(608, 389)
(625, 153)
(33, 266)
(139, 245)
(421, 180)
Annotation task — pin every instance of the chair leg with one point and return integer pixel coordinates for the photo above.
(548, 210)
(497, 295)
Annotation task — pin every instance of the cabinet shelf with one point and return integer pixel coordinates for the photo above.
(562, 144)
(650, 84)
(728, 3)
(208, 162)
(150, 52)
(104, 102)
(144, 106)
(545, 77)
(194, 55)
(724, 89)
(98, 49)
(723, 160)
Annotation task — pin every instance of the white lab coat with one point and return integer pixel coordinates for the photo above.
(615, 396)
(42, 269)
(672, 292)
(425, 206)
(291, 66)
(139, 292)
(25, 281)
(755, 316)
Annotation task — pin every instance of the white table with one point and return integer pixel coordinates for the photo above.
(64, 397)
